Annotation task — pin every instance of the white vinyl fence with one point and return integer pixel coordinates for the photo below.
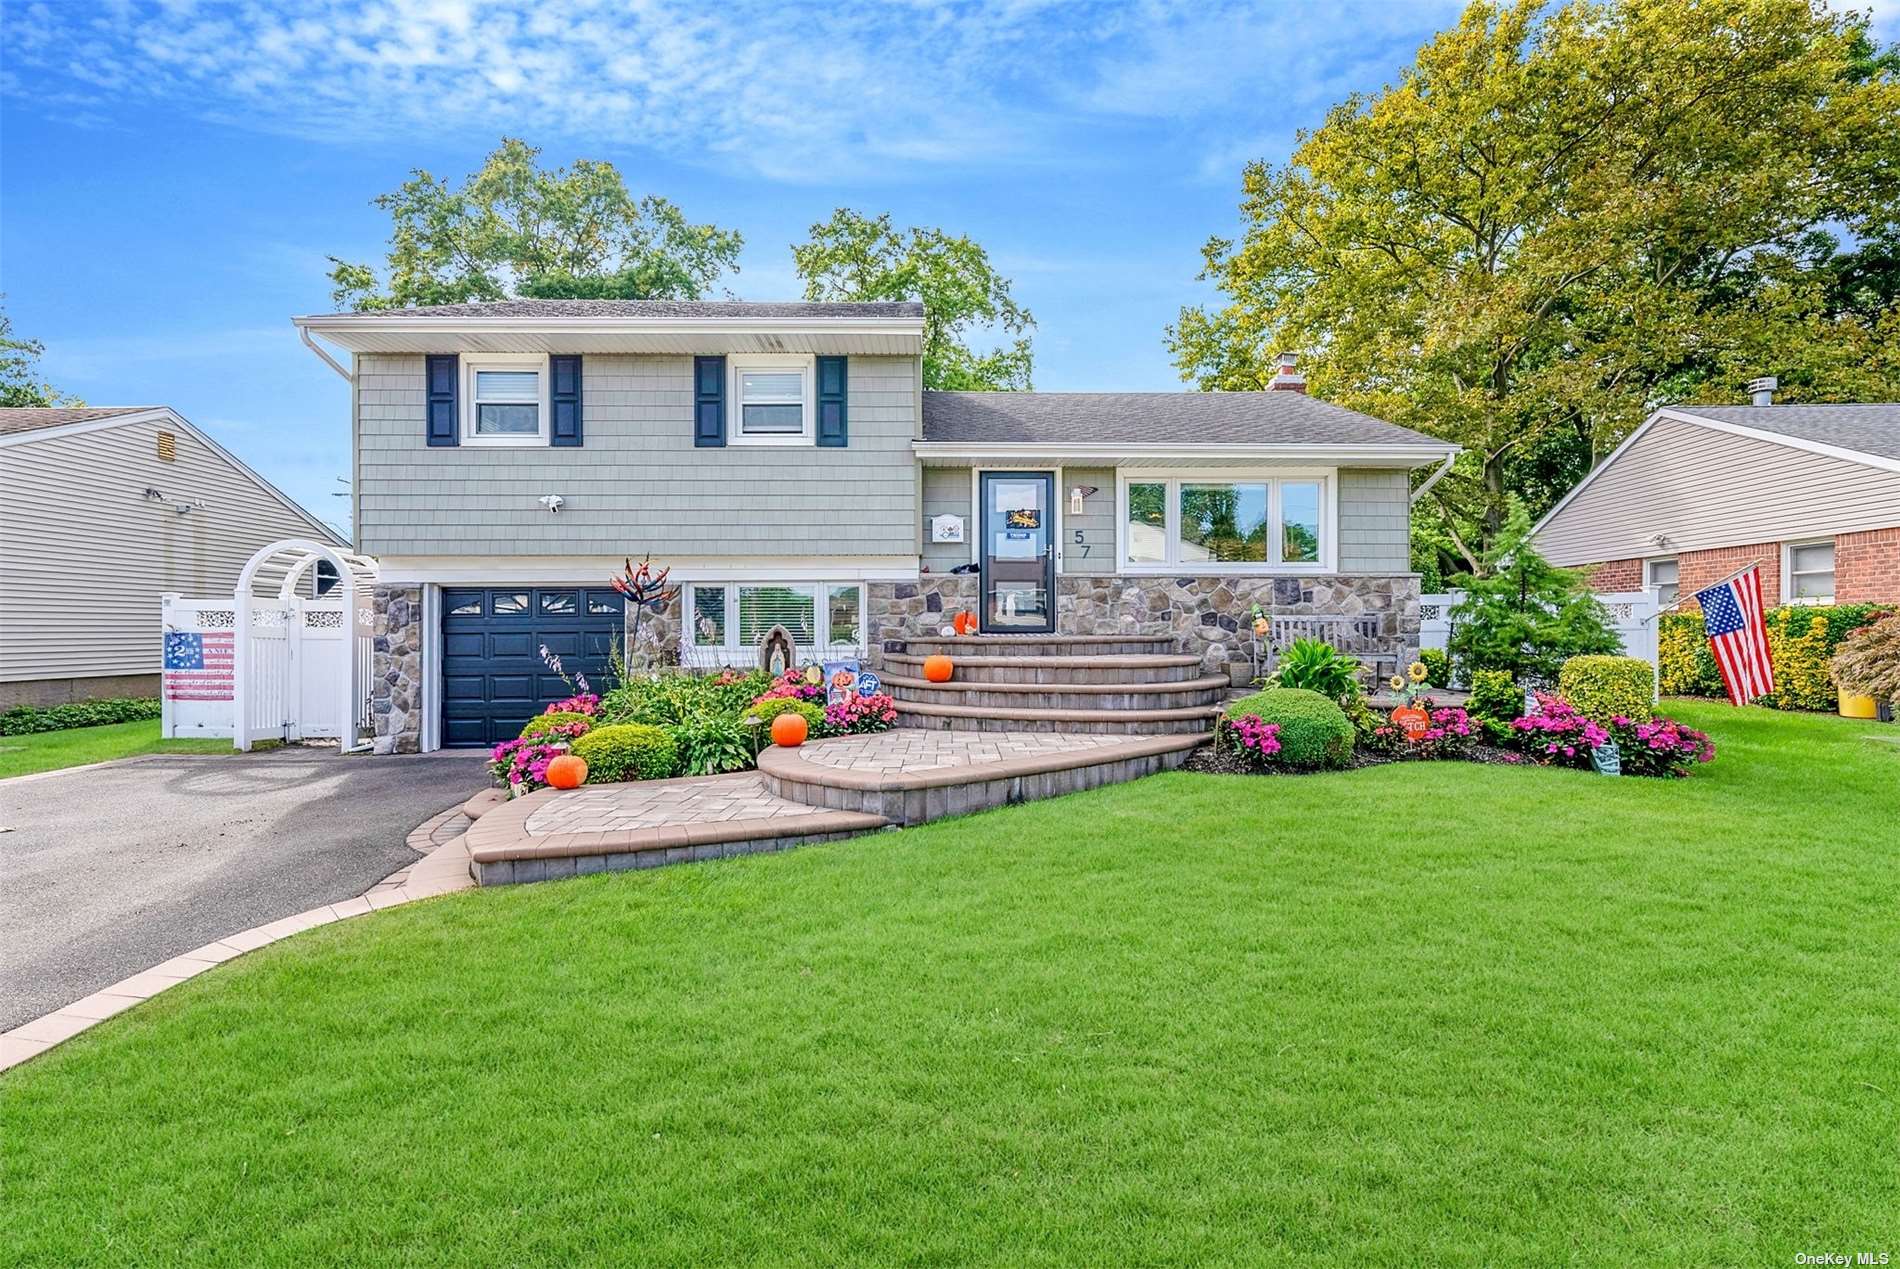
(1633, 616)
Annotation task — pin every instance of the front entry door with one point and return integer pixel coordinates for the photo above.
(1018, 552)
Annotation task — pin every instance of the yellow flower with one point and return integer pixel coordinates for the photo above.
(1398, 684)
(1418, 671)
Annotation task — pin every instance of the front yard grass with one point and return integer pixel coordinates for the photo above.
(77, 746)
(1427, 1014)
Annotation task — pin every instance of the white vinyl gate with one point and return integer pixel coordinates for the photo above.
(283, 666)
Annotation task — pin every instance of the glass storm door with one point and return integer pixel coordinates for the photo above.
(1019, 583)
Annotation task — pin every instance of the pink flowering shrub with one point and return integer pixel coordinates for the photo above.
(791, 686)
(1451, 735)
(587, 703)
(1660, 747)
(1253, 738)
(521, 766)
(1556, 735)
(858, 714)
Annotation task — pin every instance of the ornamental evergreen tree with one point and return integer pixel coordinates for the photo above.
(1524, 615)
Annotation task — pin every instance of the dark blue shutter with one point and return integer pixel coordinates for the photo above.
(566, 399)
(709, 401)
(833, 429)
(444, 373)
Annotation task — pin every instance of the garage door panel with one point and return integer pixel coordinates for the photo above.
(493, 677)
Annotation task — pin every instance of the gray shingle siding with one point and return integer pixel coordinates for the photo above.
(638, 484)
(1375, 521)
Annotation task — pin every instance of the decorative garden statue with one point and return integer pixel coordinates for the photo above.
(644, 590)
(777, 652)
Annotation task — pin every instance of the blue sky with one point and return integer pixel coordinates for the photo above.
(173, 173)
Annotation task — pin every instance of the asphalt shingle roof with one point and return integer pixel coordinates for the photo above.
(1154, 418)
(32, 419)
(648, 308)
(1869, 429)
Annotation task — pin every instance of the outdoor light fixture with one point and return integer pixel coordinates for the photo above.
(1075, 498)
(552, 502)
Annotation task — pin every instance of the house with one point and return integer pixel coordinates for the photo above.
(102, 511)
(1811, 492)
(786, 464)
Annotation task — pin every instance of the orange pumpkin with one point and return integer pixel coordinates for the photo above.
(964, 623)
(938, 669)
(789, 730)
(567, 772)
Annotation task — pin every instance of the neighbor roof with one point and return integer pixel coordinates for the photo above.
(33, 418)
(1154, 418)
(1867, 429)
(674, 309)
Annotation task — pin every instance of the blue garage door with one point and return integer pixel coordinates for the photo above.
(493, 677)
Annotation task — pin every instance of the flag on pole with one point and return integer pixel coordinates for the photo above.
(1732, 618)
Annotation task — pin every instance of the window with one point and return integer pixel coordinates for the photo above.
(730, 619)
(557, 603)
(512, 604)
(605, 603)
(1220, 524)
(507, 401)
(772, 401)
(1661, 576)
(1809, 569)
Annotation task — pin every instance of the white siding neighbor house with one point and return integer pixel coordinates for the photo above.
(102, 511)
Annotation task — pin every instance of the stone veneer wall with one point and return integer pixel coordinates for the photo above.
(1210, 615)
(395, 700)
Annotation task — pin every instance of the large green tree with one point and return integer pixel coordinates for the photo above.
(20, 381)
(517, 228)
(858, 257)
(1559, 218)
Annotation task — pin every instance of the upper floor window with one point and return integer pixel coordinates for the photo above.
(1809, 570)
(1662, 576)
(1226, 524)
(773, 396)
(507, 401)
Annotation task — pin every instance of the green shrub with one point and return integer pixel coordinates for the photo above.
(1525, 614)
(710, 744)
(763, 712)
(1802, 640)
(24, 719)
(674, 697)
(1314, 732)
(1437, 667)
(1602, 688)
(1495, 701)
(541, 723)
(627, 751)
(1316, 666)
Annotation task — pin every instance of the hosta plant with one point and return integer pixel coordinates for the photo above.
(1317, 667)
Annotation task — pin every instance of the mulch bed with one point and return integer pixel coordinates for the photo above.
(1217, 759)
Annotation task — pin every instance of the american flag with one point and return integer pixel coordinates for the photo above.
(1732, 618)
(198, 665)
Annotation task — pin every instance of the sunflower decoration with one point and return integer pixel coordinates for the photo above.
(1417, 672)
(1397, 683)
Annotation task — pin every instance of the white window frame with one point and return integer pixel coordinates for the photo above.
(1174, 477)
(514, 363)
(1787, 573)
(806, 365)
(731, 652)
(1649, 575)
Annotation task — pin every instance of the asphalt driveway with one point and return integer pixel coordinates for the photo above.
(109, 871)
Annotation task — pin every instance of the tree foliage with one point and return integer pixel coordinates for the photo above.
(1559, 219)
(857, 257)
(516, 228)
(20, 381)
(1524, 615)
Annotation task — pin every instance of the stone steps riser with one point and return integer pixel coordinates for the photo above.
(1093, 727)
(1055, 698)
(1029, 672)
(915, 806)
(963, 647)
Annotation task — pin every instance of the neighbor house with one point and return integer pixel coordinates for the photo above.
(1810, 492)
(102, 511)
(786, 464)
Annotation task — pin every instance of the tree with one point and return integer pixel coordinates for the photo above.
(20, 382)
(516, 228)
(855, 257)
(1559, 219)
(1524, 615)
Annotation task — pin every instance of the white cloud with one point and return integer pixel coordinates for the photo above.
(846, 89)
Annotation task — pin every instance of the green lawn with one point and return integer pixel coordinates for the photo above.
(50, 750)
(1441, 1014)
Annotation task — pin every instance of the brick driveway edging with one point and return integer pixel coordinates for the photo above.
(443, 869)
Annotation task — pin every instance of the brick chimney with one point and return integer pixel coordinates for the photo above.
(1762, 390)
(1288, 378)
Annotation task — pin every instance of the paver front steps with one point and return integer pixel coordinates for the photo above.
(1089, 684)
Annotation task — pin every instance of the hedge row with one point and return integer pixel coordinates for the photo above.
(1801, 640)
(23, 719)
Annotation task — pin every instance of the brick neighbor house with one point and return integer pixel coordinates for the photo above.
(1697, 492)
